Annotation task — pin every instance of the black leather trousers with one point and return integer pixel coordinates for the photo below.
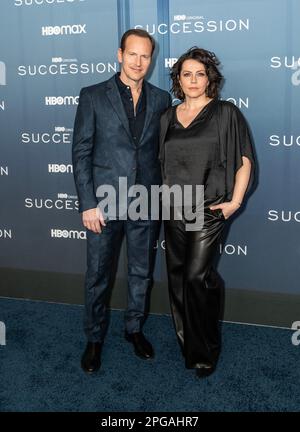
(195, 286)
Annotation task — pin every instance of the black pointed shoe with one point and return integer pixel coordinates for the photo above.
(204, 371)
(91, 359)
(142, 347)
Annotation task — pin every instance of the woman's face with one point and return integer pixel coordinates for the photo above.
(193, 78)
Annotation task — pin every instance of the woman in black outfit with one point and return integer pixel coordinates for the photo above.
(204, 141)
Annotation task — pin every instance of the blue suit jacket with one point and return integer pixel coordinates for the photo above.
(103, 149)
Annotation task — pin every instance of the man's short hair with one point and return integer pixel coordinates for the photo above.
(139, 33)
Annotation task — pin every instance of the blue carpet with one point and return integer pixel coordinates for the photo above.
(259, 368)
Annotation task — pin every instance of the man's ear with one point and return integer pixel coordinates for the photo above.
(120, 55)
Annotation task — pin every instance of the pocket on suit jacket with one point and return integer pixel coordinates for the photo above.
(101, 166)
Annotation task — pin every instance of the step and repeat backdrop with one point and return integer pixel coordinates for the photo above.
(50, 49)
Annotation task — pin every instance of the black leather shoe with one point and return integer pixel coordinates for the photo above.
(91, 359)
(142, 347)
(205, 371)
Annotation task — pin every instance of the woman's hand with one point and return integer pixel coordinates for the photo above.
(228, 208)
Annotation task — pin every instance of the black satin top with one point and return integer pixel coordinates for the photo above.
(192, 154)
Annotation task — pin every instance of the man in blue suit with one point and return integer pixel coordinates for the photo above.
(116, 134)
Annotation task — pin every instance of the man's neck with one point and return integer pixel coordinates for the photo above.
(135, 86)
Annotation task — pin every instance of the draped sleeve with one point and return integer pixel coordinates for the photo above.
(235, 142)
(164, 124)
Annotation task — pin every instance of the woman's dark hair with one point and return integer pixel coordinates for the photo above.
(137, 32)
(210, 62)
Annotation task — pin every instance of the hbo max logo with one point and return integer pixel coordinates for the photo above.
(61, 100)
(60, 168)
(68, 234)
(43, 2)
(63, 30)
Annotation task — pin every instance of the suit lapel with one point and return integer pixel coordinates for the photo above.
(113, 95)
(150, 104)
(164, 125)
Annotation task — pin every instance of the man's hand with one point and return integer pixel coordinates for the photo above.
(93, 220)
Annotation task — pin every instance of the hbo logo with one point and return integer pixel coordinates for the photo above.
(60, 168)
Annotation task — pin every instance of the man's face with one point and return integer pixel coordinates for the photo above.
(135, 58)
